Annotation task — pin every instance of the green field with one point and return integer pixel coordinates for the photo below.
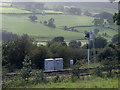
(22, 25)
(5, 4)
(13, 10)
(51, 11)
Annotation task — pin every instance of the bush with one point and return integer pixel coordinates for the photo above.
(97, 71)
(39, 77)
(33, 18)
(56, 79)
(26, 70)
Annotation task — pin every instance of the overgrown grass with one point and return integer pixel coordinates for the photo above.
(86, 82)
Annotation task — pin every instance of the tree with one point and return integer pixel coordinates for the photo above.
(65, 28)
(110, 21)
(38, 55)
(51, 22)
(116, 19)
(104, 15)
(74, 44)
(58, 39)
(87, 13)
(45, 22)
(75, 11)
(98, 22)
(33, 18)
(27, 69)
(115, 38)
(14, 51)
(100, 42)
(96, 31)
(107, 53)
(6, 36)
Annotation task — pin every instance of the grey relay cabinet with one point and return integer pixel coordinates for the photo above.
(53, 64)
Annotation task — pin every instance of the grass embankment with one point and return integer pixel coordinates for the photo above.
(92, 82)
(86, 82)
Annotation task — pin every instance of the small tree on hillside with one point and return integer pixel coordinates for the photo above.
(33, 18)
(51, 23)
(26, 70)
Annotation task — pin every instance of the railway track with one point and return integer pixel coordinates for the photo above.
(85, 71)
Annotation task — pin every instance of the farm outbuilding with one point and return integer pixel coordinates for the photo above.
(53, 64)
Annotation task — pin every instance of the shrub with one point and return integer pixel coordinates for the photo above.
(39, 77)
(26, 70)
(33, 18)
(97, 71)
(58, 79)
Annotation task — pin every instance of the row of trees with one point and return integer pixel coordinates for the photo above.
(103, 18)
(14, 51)
(49, 23)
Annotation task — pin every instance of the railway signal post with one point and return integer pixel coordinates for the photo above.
(87, 36)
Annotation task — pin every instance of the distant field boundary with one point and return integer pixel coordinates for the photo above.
(91, 26)
(31, 13)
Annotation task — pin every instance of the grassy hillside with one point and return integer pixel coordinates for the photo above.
(13, 10)
(5, 4)
(67, 20)
(22, 25)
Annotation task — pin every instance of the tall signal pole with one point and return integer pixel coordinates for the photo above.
(88, 46)
(94, 51)
(88, 54)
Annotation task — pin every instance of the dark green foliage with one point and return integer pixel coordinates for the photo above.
(96, 31)
(115, 38)
(51, 23)
(98, 22)
(56, 79)
(107, 53)
(45, 22)
(8, 35)
(33, 18)
(26, 70)
(97, 71)
(65, 28)
(58, 39)
(38, 55)
(104, 15)
(87, 13)
(14, 51)
(75, 73)
(116, 18)
(100, 42)
(74, 44)
(39, 77)
(75, 11)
